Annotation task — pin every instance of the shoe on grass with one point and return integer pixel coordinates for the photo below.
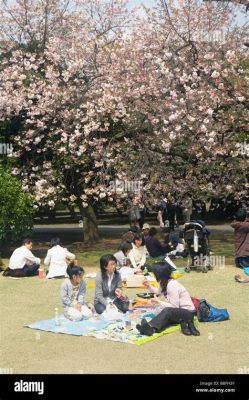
(145, 328)
(185, 329)
(193, 329)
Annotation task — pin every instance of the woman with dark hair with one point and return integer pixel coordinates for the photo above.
(56, 258)
(154, 247)
(122, 255)
(138, 252)
(73, 292)
(108, 289)
(177, 309)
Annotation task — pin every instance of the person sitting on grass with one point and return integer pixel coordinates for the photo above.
(180, 250)
(56, 258)
(177, 309)
(108, 289)
(171, 238)
(241, 238)
(154, 247)
(73, 291)
(22, 262)
(145, 231)
(137, 254)
(129, 236)
(122, 255)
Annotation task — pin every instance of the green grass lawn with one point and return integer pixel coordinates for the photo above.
(221, 348)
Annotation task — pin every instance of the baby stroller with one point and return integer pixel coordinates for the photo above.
(196, 238)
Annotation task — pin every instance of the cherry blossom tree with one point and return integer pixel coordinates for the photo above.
(49, 84)
(243, 2)
(182, 81)
(91, 94)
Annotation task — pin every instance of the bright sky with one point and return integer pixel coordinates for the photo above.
(150, 3)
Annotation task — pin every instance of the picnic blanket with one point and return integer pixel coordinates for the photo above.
(98, 327)
(77, 328)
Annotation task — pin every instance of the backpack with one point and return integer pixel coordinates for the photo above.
(208, 313)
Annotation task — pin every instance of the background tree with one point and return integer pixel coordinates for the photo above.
(16, 209)
(157, 98)
(184, 92)
(60, 151)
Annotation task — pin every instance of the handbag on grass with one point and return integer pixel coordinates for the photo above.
(196, 302)
(208, 313)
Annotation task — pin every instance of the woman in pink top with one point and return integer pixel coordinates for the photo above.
(177, 309)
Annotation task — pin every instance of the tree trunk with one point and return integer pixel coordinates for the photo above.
(72, 211)
(90, 225)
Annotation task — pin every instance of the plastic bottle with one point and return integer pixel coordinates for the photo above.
(56, 317)
(128, 324)
(40, 273)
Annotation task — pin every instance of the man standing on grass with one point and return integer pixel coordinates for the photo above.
(241, 237)
(22, 262)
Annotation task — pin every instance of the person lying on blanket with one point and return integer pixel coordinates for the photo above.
(177, 309)
(108, 289)
(73, 292)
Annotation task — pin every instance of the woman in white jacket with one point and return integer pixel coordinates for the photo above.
(56, 259)
(137, 255)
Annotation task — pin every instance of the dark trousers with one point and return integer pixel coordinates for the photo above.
(172, 221)
(242, 262)
(122, 305)
(142, 218)
(170, 316)
(27, 270)
(159, 253)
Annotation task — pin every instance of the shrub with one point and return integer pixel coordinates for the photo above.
(16, 209)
